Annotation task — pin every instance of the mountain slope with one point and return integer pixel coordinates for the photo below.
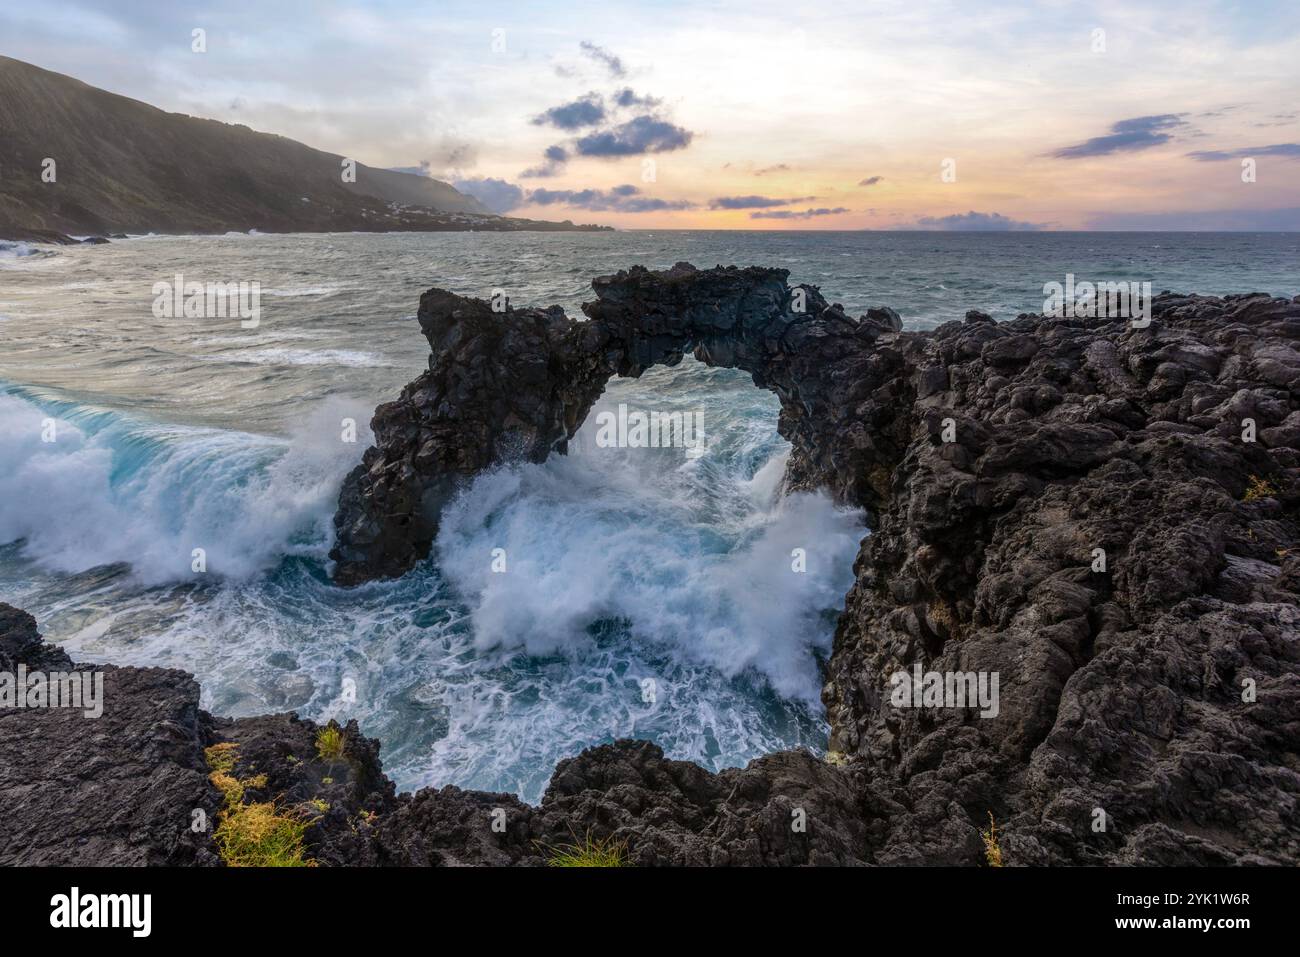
(125, 166)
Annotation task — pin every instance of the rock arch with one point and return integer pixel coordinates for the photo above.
(518, 384)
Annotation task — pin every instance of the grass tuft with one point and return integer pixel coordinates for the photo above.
(222, 757)
(329, 742)
(589, 853)
(1259, 488)
(992, 852)
(253, 835)
(262, 835)
(230, 787)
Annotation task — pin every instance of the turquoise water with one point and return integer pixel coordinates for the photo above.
(648, 593)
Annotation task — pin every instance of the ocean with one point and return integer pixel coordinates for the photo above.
(650, 592)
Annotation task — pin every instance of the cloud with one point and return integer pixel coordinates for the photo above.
(800, 214)
(1277, 149)
(553, 161)
(588, 110)
(1223, 220)
(871, 181)
(623, 199)
(754, 202)
(643, 134)
(973, 221)
(1139, 133)
(449, 155)
(778, 168)
(600, 54)
(648, 132)
(502, 196)
(627, 98)
(496, 194)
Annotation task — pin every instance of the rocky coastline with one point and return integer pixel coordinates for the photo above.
(402, 220)
(1104, 516)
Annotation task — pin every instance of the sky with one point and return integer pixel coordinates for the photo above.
(901, 114)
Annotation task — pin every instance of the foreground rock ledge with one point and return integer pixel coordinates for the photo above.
(123, 789)
(1161, 694)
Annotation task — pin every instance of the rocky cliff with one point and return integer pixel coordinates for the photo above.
(1097, 523)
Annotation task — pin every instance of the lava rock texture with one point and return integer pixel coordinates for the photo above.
(1101, 533)
(1104, 517)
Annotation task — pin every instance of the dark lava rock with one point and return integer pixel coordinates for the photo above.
(1158, 693)
(118, 789)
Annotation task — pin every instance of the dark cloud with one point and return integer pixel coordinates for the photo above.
(588, 110)
(623, 199)
(643, 134)
(973, 221)
(1215, 220)
(627, 98)
(553, 161)
(601, 55)
(648, 132)
(778, 168)
(501, 196)
(447, 157)
(799, 214)
(871, 181)
(1277, 149)
(496, 194)
(1126, 136)
(1221, 111)
(452, 152)
(754, 202)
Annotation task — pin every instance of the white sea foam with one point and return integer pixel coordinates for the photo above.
(111, 490)
(255, 338)
(12, 254)
(302, 357)
(15, 250)
(292, 292)
(587, 541)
